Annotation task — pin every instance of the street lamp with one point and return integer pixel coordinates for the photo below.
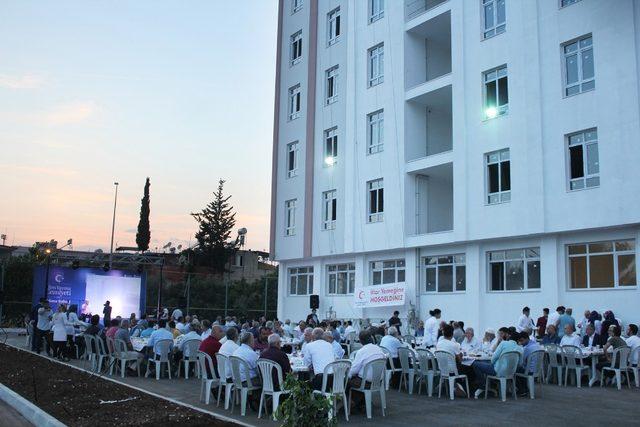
(113, 225)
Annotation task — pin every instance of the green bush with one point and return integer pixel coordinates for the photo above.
(302, 407)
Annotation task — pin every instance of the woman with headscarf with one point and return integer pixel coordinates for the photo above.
(609, 319)
(596, 320)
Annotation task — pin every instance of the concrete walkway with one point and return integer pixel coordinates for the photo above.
(558, 406)
(11, 418)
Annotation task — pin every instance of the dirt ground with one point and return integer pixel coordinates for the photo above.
(77, 398)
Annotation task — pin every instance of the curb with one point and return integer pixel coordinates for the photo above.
(28, 410)
(141, 390)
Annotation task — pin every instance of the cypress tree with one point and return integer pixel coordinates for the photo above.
(143, 236)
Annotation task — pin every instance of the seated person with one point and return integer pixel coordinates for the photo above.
(211, 345)
(245, 352)
(149, 330)
(229, 347)
(160, 334)
(93, 328)
(275, 353)
(489, 341)
(633, 341)
(470, 343)
(458, 331)
(570, 337)
(614, 341)
(420, 329)
(338, 351)
(392, 343)
(496, 366)
(193, 334)
(551, 337)
(591, 339)
(123, 335)
(528, 347)
(317, 355)
(349, 329)
(141, 325)
(366, 354)
(447, 343)
(307, 337)
(261, 343)
(172, 328)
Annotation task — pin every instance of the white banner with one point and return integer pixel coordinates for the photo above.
(379, 296)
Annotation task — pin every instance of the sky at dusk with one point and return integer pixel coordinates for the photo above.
(93, 92)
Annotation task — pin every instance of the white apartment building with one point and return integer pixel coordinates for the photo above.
(485, 153)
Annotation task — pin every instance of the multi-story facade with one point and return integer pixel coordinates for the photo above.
(483, 152)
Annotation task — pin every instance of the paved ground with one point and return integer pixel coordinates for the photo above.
(558, 406)
(11, 418)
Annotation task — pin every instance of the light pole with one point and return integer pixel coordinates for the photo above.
(113, 225)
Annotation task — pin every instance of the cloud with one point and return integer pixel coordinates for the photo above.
(70, 113)
(27, 81)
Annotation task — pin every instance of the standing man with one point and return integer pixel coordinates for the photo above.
(564, 320)
(106, 321)
(312, 318)
(541, 324)
(395, 321)
(525, 322)
(43, 327)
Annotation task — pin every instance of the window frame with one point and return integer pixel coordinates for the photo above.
(525, 271)
(396, 268)
(292, 169)
(373, 15)
(295, 38)
(290, 217)
(348, 269)
(330, 148)
(501, 110)
(562, 4)
(296, 5)
(377, 186)
(332, 73)
(334, 24)
(295, 272)
(329, 209)
(375, 119)
(581, 80)
(496, 25)
(615, 253)
(504, 196)
(295, 98)
(586, 176)
(375, 61)
(457, 260)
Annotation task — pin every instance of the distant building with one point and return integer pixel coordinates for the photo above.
(251, 265)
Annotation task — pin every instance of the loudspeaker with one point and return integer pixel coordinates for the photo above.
(314, 301)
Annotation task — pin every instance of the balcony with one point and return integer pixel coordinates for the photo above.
(433, 200)
(429, 124)
(427, 51)
(415, 8)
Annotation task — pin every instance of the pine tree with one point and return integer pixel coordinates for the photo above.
(215, 223)
(143, 236)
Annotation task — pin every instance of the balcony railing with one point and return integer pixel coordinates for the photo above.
(414, 8)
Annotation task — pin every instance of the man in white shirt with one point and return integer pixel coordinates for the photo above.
(470, 343)
(246, 353)
(489, 340)
(288, 330)
(307, 337)
(431, 329)
(349, 329)
(299, 330)
(633, 341)
(338, 351)
(177, 314)
(569, 337)
(525, 322)
(582, 324)
(392, 343)
(448, 343)
(317, 355)
(162, 333)
(229, 347)
(192, 335)
(554, 317)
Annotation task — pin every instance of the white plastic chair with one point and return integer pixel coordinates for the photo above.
(161, 350)
(574, 362)
(556, 362)
(190, 347)
(511, 358)
(619, 364)
(635, 355)
(121, 353)
(208, 377)
(538, 372)
(390, 369)
(376, 370)
(449, 373)
(339, 369)
(224, 371)
(29, 328)
(407, 369)
(427, 369)
(349, 340)
(241, 388)
(90, 350)
(102, 355)
(266, 368)
(409, 339)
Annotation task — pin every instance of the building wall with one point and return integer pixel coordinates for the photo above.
(542, 212)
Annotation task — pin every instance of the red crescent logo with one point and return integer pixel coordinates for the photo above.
(361, 294)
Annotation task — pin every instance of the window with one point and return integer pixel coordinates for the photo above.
(584, 163)
(376, 10)
(329, 208)
(238, 261)
(332, 85)
(579, 73)
(296, 5)
(498, 177)
(341, 279)
(375, 132)
(514, 270)
(301, 281)
(333, 26)
(494, 17)
(330, 146)
(496, 92)
(384, 272)
(444, 273)
(564, 3)
(294, 102)
(376, 65)
(296, 47)
(290, 217)
(292, 159)
(602, 264)
(375, 189)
